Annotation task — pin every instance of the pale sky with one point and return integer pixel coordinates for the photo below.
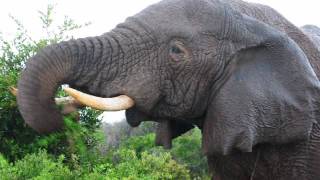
(106, 14)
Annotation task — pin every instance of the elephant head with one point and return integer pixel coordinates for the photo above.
(190, 62)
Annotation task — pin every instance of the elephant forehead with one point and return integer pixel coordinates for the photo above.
(184, 17)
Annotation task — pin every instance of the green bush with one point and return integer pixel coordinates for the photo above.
(41, 166)
(124, 164)
(16, 138)
(139, 143)
(147, 167)
(35, 166)
(136, 158)
(186, 149)
(6, 172)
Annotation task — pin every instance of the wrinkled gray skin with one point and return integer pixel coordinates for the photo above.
(238, 71)
(314, 34)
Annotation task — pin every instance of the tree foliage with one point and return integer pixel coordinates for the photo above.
(135, 158)
(16, 138)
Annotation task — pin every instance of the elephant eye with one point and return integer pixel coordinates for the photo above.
(178, 51)
(175, 49)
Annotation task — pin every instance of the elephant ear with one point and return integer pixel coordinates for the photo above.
(270, 94)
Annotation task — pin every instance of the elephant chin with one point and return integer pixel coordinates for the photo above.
(135, 117)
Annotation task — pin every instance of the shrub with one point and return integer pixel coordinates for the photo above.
(186, 149)
(36, 166)
(118, 132)
(124, 164)
(148, 166)
(6, 171)
(41, 166)
(16, 138)
(139, 143)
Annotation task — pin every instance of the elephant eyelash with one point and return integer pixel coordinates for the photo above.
(178, 51)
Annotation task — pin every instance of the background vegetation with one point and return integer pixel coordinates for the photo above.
(84, 150)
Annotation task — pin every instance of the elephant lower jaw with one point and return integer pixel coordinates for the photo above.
(135, 117)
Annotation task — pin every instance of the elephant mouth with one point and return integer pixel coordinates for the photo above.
(135, 117)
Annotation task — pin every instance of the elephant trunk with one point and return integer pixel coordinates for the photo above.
(66, 62)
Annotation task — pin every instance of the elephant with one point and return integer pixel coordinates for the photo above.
(167, 130)
(314, 34)
(241, 72)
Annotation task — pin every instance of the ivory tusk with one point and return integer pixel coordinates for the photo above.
(118, 103)
(13, 90)
(67, 101)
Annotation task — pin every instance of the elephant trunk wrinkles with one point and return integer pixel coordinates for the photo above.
(67, 62)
